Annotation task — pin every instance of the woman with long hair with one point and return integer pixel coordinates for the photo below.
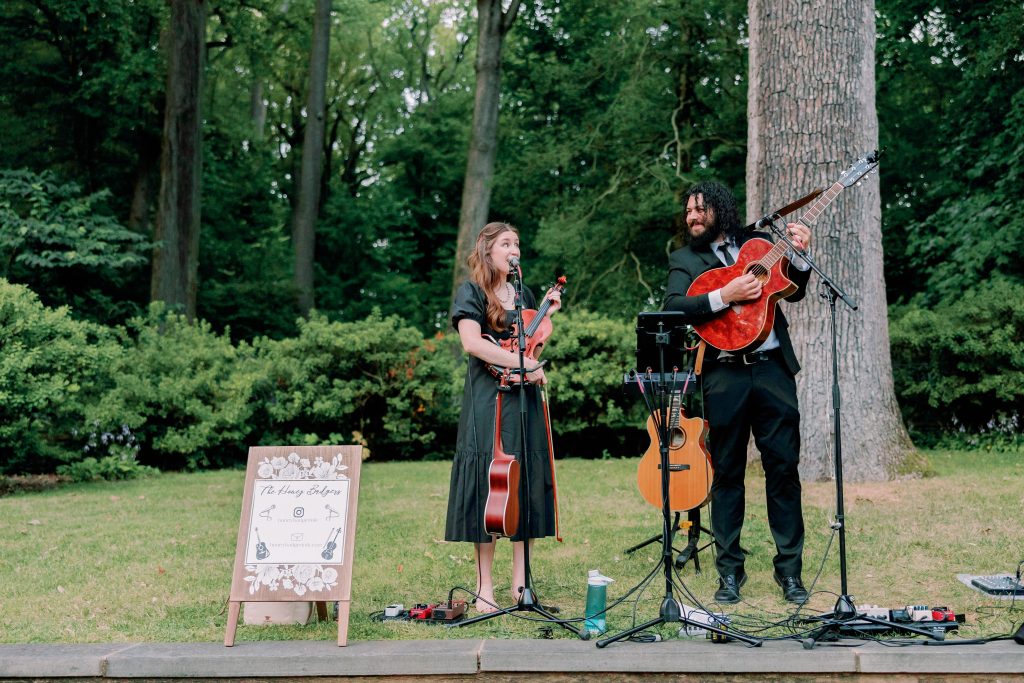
(484, 305)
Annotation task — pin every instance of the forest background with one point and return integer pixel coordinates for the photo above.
(608, 112)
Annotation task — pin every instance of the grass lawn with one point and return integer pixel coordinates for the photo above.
(151, 560)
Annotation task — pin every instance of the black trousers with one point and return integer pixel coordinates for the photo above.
(760, 399)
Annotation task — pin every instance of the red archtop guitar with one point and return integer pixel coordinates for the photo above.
(744, 326)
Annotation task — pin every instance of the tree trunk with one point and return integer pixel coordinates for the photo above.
(308, 182)
(176, 256)
(492, 27)
(811, 111)
(147, 171)
(257, 108)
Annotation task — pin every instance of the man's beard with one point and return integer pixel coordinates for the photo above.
(710, 234)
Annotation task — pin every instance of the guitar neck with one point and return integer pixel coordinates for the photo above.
(780, 248)
(673, 409)
(826, 198)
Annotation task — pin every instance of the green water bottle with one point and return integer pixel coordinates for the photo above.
(597, 601)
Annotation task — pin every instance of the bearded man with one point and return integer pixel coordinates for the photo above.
(744, 394)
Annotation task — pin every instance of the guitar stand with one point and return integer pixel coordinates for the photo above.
(671, 610)
(692, 549)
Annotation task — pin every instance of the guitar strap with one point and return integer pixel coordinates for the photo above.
(699, 363)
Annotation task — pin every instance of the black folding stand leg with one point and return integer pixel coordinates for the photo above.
(653, 539)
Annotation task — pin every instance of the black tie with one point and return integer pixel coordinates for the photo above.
(724, 248)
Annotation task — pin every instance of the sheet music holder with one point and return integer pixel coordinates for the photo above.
(661, 332)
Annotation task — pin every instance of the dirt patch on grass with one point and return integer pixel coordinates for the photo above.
(30, 483)
(823, 494)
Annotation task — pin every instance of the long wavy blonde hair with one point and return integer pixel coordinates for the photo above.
(483, 272)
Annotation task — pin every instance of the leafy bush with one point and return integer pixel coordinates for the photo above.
(374, 381)
(66, 244)
(959, 368)
(183, 391)
(51, 368)
(591, 416)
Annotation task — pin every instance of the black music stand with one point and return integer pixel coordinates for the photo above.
(660, 328)
(647, 381)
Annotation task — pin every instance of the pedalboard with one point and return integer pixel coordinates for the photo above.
(451, 610)
(937, 618)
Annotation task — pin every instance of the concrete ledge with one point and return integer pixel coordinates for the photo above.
(49, 661)
(296, 658)
(673, 656)
(500, 660)
(1001, 657)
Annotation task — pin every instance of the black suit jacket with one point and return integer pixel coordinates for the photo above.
(686, 264)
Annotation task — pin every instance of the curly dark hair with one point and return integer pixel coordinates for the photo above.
(721, 201)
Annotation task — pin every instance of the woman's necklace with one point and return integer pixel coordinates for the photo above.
(507, 291)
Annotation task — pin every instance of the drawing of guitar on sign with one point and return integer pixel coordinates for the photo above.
(262, 551)
(332, 545)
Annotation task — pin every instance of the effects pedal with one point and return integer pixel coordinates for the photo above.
(395, 612)
(421, 611)
(448, 611)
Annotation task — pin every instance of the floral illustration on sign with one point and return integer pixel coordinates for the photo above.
(296, 467)
(299, 578)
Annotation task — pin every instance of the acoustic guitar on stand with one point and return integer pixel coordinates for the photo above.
(744, 326)
(690, 470)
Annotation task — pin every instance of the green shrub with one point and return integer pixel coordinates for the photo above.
(374, 381)
(65, 244)
(959, 368)
(51, 369)
(107, 468)
(183, 391)
(588, 355)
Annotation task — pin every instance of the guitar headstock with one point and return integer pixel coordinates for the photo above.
(859, 169)
(560, 283)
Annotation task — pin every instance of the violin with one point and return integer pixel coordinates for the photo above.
(689, 467)
(536, 327)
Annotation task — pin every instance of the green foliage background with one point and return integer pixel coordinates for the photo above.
(609, 111)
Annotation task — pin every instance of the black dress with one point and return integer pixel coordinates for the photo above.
(474, 449)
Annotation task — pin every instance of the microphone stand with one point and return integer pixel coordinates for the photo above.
(527, 598)
(845, 610)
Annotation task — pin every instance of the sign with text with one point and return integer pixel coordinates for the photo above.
(297, 529)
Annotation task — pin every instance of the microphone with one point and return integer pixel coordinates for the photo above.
(765, 220)
(513, 262)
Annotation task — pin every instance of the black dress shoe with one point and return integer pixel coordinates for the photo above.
(728, 591)
(792, 588)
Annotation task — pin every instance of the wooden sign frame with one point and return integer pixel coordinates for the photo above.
(305, 500)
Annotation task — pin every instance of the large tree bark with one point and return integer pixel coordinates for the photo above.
(811, 110)
(308, 200)
(492, 26)
(176, 256)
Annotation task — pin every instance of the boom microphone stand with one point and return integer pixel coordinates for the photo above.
(845, 610)
(671, 611)
(527, 599)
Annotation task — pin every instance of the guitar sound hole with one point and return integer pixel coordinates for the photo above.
(759, 271)
(677, 438)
